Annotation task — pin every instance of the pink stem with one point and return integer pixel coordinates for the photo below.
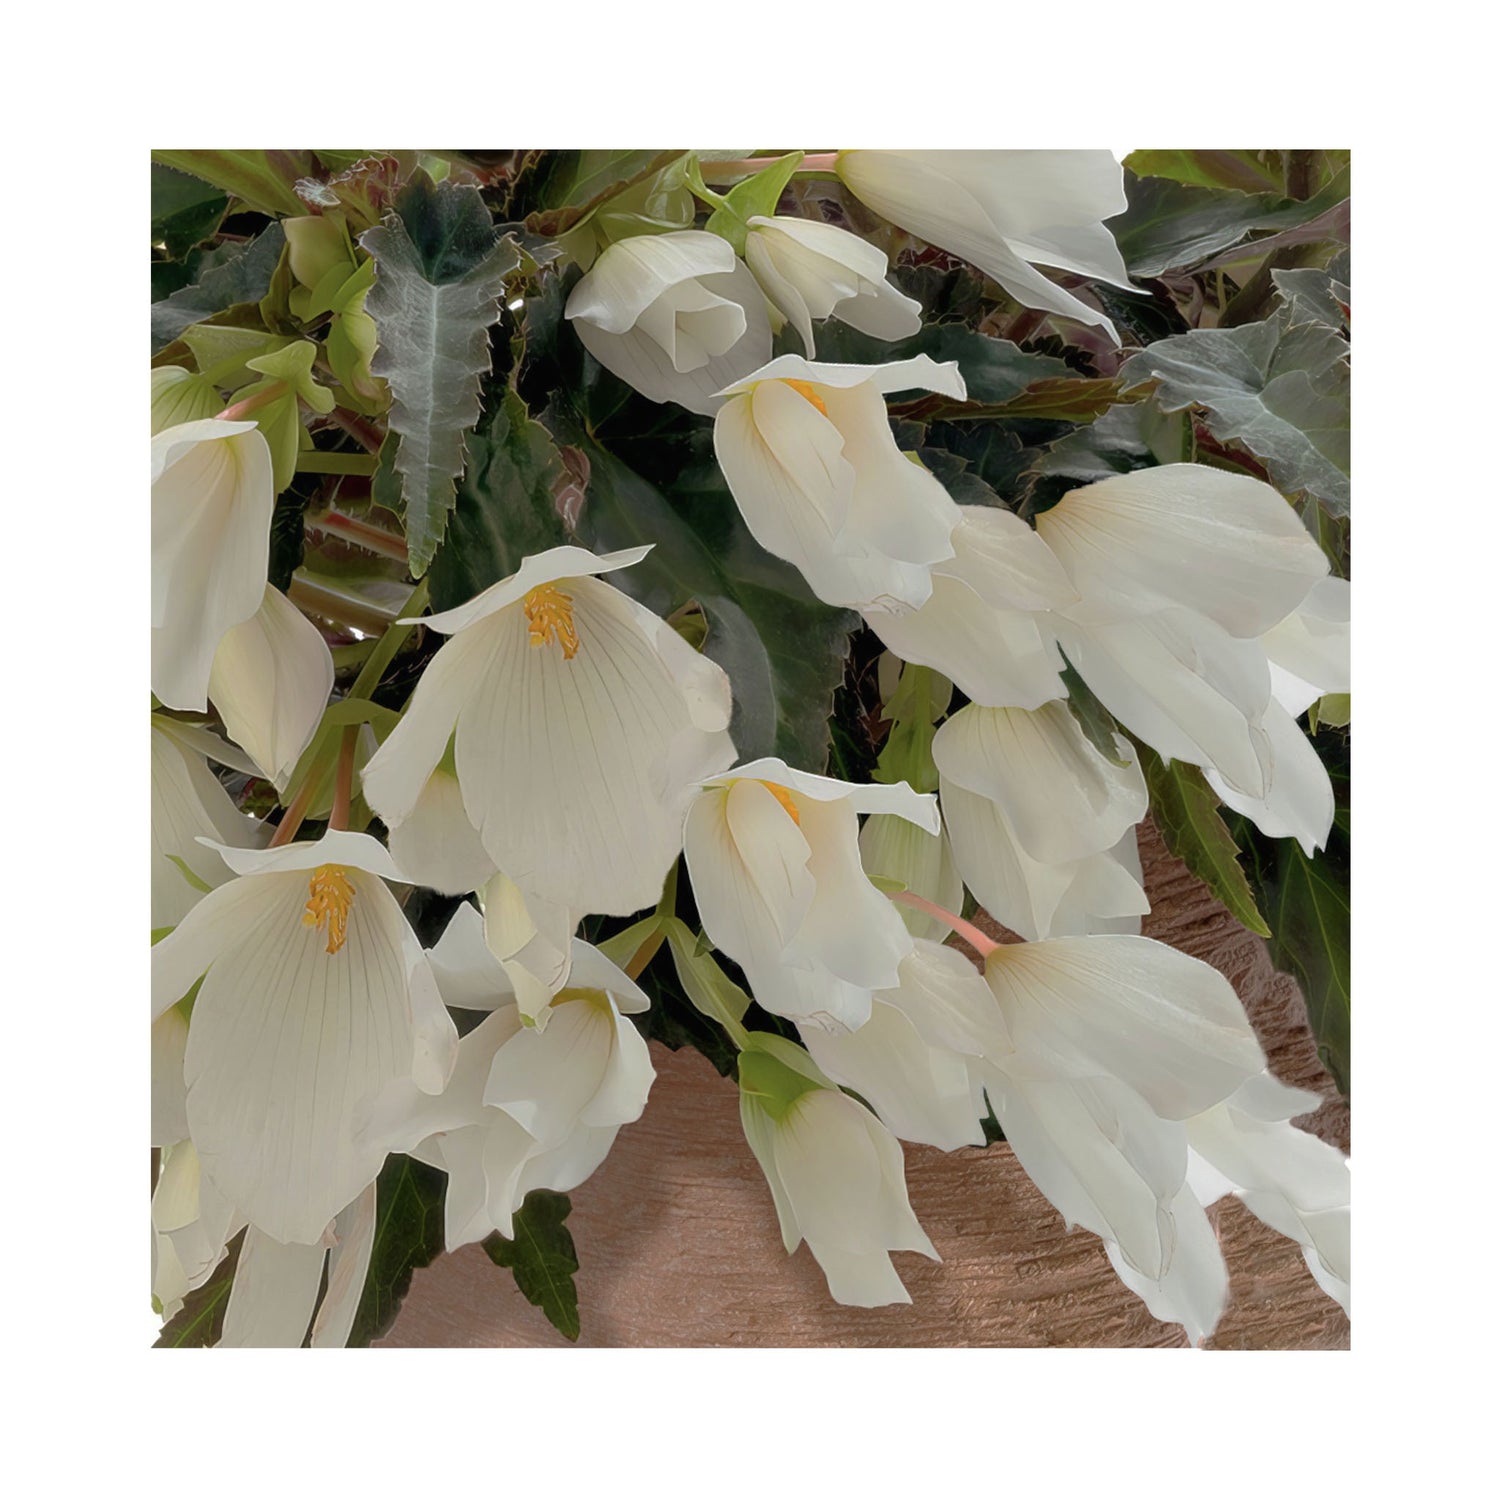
(253, 403)
(721, 171)
(982, 945)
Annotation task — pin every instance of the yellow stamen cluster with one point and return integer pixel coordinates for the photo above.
(549, 617)
(809, 392)
(329, 897)
(784, 797)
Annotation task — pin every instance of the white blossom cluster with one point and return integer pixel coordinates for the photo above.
(565, 746)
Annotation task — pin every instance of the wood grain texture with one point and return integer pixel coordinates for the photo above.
(678, 1244)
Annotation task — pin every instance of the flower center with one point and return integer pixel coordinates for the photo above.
(549, 617)
(329, 897)
(783, 796)
(809, 392)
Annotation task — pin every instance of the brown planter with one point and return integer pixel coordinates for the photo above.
(678, 1244)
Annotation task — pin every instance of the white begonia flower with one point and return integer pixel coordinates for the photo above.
(1034, 813)
(986, 624)
(580, 723)
(316, 1000)
(1309, 649)
(270, 681)
(533, 940)
(808, 453)
(1183, 536)
(812, 270)
(836, 1176)
(188, 802)
(678, 316)
(773, 855)
(526, 1108)
(211, 502)
(1288, 1178)
(921, 861)
(435, 843)
(913, 1059)
(1003, 211)
(276, 1285)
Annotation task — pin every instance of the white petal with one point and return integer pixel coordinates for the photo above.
(943, 996)
(631, 274)
(577, 772)
(875, 797)
(1312, 643)
(1195, 1286)
(1060, 797)
(436, 845)
(1184, 535)
(348, 1263)
(291, 1046)
(1166, 1025)
(275, 1287)
(335, 846)
(211, 502)
(921, 861)
(533, 940)
(919, 373)
(1298, 801)
(270, 682)
(1106, 894)
(168, 1090)
(1179, 682)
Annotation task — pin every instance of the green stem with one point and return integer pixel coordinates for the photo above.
(390, 643)
(315, 462)
(821, 164)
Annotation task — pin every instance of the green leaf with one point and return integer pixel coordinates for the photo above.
(184, 211)
(754, 197)
(1186, 811)
(710, 989)
(243, 276)
(782, 649)
(263, 180)
(1278, 388)
(505, 507)
(542, 1259)
(1169, 225)
(1096, 721)
(598, 172)
(408, 1235)
(1247, 171)
(199, 1322)
(440, 279)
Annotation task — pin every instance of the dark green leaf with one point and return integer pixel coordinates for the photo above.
(1280, 389)
(782, 649)
(542, 1259)
(1096, 721)
(184, 211)
(1186, 812)
(439, 283)
(199, 1322)
(1169, 225)
(408, 1235)
(506, 509)
(921, 698)
(243, 275)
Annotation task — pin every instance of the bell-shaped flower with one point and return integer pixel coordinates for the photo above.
(316, 1000)
(987, 624)
(526, 1107)
(913, 1060)
(1288, 1178)
(1183, 536)
(1005, 212)
(211, 502)
(580, 723)
(533, 940)
(894, 849)
(276, 1285)
(270, 682)
(1309, 656)
(835, 1172)
(678, 316)
(435, 843)
(774, 859)
(1034, 812)
(812, 270)
(808, 453)
(188, 802)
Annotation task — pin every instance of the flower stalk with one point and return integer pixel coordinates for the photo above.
(982, 945)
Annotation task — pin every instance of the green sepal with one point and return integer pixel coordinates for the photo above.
(197, 883)
(920, 699)
(293, 363)
(755, 197)
(1331, 708)
(775, 1073)
(710, 989)
(223, 353)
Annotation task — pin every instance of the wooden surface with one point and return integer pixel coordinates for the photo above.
(678, 1245)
